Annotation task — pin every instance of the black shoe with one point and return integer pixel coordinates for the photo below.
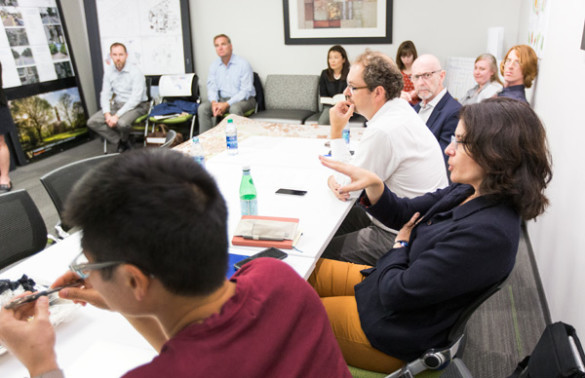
(6, 188)
(124, 146)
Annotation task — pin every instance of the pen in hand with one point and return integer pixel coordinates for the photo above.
(33, 297)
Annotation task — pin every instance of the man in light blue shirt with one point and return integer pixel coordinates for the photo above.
(123, 99)
(230, 85)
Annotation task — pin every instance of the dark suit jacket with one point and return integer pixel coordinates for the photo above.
(411, 299)
(443, 120)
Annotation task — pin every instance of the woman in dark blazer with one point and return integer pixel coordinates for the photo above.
(453, 244)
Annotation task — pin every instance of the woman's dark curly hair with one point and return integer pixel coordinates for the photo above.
(507, 139)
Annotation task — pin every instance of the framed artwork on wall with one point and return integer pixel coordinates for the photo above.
(324, 22)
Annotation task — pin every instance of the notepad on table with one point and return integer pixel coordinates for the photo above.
(265, 231)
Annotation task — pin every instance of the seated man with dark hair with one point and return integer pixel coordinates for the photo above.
(155, 240)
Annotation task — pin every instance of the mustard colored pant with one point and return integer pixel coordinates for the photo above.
(334, 281)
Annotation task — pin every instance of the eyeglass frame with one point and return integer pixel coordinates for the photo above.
(352, 89)
(79, 268)
(457, 142)
(515, 63)
(424, 76)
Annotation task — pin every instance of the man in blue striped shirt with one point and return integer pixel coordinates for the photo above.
(230, 85)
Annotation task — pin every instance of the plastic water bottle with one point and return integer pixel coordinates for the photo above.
(197, 151)
(248, 198)
(231, 137)
(345, 134)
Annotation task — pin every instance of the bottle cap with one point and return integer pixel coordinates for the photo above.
(245, 167)
(195, 139)
(230, 120)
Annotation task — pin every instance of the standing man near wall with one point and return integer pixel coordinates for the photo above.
(230, 85)
(122, 100)
(438, 109)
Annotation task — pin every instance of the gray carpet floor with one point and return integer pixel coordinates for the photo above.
(501, 332)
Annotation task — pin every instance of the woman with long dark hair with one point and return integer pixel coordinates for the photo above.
(453, 244)
(405, 56)
(333, 78)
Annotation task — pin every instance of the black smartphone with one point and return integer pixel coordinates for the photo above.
(293, 192)
(268, 252)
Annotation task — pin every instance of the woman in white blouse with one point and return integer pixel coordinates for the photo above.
(485, 73)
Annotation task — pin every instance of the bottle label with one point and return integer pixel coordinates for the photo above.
(249, 207)
(232, 142)
(346, 135)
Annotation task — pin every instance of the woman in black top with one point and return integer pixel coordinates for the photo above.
(6, 126)
(333, 79)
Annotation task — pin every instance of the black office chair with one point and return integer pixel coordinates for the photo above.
(440, 358)
(59, 183)
(22, 229)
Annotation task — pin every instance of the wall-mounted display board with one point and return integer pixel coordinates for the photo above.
(156, 33)
(38, 72)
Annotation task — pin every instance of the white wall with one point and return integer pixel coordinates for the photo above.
(445, 28)
(558, 237)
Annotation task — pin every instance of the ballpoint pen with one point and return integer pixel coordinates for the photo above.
(37, 295)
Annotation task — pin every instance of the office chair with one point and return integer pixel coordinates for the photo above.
(259, 98)
(440, 358)
(170, 138)
(179, 101)
(22, 229)
(59, 182)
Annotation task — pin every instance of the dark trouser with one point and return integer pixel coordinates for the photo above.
(205, 113)
(120, 132)
(358, 240)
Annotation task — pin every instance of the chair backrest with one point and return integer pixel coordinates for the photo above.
(59, 182)
(181, 86)
(260, 104)
(170, 138)
(439, 358)
(458, 328)
(22, 229)
(292, 92)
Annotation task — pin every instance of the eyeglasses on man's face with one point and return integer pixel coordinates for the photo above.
(424, 76)
(352, 89)
(514, 63)
(82, 268)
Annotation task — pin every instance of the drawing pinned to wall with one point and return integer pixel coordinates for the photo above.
(153, 38)
(537, 25)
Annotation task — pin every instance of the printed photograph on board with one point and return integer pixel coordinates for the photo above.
(46, 120)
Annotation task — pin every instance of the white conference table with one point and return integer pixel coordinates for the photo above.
(92, 336)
